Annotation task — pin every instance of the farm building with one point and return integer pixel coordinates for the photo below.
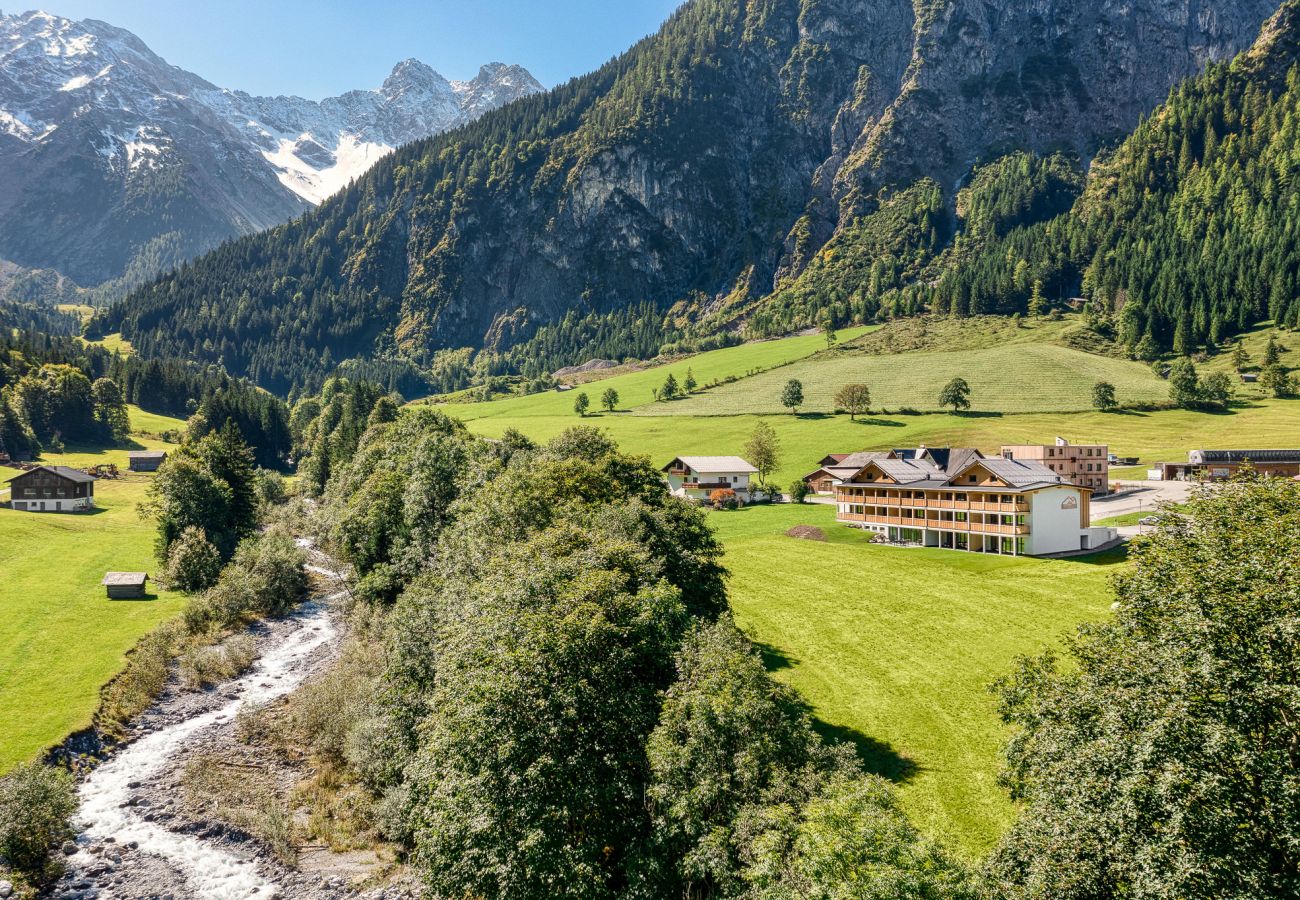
(52, 489)
(146, 460)
(696, 477)
(1217, 465)
(125, 585)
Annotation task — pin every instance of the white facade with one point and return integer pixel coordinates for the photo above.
(1055, 525)
(78, 504)
(697, 477)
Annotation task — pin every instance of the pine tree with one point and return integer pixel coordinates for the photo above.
(1037, 302)
(690, 384)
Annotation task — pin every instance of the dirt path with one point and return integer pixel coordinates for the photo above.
(137, 840)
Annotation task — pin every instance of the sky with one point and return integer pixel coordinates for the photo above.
(323, 48)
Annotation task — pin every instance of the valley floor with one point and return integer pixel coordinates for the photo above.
(62, 638)
(894, 649)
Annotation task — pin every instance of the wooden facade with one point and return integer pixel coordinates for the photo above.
(52, 489)
(126, 585)
(146, 460)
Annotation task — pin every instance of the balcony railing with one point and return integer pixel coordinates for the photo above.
(936, 525)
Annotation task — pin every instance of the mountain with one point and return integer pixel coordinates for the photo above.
(115, 163)
(707, 173)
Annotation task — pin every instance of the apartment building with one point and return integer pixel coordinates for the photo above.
(960, 500)
(1086, 465)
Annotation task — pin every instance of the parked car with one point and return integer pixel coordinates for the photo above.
(1149, 520)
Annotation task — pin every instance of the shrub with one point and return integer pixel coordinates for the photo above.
(36, 807)
(799, 491)
(140, 683)
(204, 666)
(271, 490)
(724, 498)
(193, 562)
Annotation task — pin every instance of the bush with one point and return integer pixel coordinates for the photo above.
(799, 491)
(204, 666)
(140, 683)
(193, 562)
(266, 577)
(270, 486)
(36, 808)
(724, 498)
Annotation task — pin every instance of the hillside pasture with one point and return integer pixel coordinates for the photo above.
(894, 649)
(1013, 379)
(635, 389)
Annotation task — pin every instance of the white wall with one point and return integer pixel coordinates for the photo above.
(1053, 528)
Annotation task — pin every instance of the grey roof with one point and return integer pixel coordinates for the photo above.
(71, 474)
(1207, 457)
(858, 460)
(147, 454)
(125, 579)
(714, 464)
(1021, 473)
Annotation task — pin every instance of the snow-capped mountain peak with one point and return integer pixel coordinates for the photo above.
(81, 94)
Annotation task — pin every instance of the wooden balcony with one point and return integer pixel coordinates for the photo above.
(935, 524)
(1010, 509)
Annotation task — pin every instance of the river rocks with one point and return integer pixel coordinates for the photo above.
(6, 889)
(70, 848)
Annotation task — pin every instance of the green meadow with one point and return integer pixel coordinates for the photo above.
(894, 649)
(63, 639)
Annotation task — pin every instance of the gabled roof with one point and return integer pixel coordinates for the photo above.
(63, 471)
(714, 464)
(1015, 472)
(147, 454)
(125, 579)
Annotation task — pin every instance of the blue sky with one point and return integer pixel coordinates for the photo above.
(317, 49)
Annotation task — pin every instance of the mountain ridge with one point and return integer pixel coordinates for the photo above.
(119, 163)
(699, 172)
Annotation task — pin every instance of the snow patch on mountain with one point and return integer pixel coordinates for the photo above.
(54, 70)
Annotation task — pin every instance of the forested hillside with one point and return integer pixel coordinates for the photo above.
(57, 389)
(1189, 233)
(698, 173)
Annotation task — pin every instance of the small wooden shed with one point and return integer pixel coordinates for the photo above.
(125, 585)
(146, 460)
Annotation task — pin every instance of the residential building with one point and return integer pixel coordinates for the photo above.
(1087, 465)
(697, 477)
(126, 585)
(837, 466)
(959, 500)
(1218, 465)
(146, 460)
(52, 489)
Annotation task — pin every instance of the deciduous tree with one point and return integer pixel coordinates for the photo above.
(855, 399)
(956, 394)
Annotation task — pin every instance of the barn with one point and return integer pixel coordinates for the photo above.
(146, 460)
(125, 585)
(52, 489)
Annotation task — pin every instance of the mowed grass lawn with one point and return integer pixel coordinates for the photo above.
(895, 648)
(1013, 378)
(62, 639)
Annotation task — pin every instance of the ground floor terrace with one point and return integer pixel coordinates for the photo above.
(1005, 540)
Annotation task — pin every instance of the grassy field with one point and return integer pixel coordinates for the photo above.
(1023, 378)
(634, 388)
(719, 420)
(62, 638)
(1165, 435)
(893, 649)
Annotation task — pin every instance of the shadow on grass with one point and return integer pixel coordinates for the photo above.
(1127, 412)
(978, 414)
(878, 757)
(147, 598)
(882, 423)
(774, 658)
(1105, 558)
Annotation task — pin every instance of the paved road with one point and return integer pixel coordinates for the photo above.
(1139, 496)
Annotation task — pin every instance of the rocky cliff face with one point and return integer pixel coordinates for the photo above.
(114, 162)
(983, 78)
(704, 168)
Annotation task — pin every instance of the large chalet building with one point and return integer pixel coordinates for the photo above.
(958, 499)
(52, 489)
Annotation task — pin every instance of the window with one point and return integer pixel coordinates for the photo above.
(961, 498)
